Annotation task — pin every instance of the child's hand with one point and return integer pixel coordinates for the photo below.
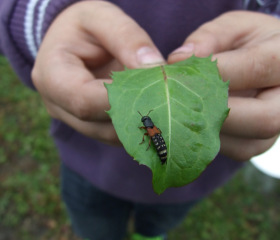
(246, 45)
(82, 46)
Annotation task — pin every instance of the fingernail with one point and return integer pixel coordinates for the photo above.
(187, 49)
(149, 56)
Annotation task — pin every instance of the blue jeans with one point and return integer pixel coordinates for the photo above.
(97, 215)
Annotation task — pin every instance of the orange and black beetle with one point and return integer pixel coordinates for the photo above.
(155, 135)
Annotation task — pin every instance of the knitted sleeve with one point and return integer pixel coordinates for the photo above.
(23, 24)
(271, 7)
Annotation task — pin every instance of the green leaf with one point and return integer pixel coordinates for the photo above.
(189, 103)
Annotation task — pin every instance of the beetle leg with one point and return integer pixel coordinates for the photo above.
(143, 140)
(149, 144)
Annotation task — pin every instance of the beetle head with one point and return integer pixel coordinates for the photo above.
(145, 118)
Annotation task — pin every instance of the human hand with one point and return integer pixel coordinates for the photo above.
(82, 46)
(246, 45)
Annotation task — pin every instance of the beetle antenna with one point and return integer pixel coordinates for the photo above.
(149, 112)
(140, 114)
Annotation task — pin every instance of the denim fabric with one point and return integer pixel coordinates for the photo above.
(96, 215)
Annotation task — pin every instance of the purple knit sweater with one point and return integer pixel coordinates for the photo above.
(22, 27)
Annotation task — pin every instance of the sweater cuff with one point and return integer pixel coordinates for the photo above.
(269, 7)
(30, 21)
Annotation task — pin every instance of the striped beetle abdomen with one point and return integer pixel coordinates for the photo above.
(160, 147)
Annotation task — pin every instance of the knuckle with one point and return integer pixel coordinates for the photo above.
(269, 124)
(103, 5)
(207, 31)
(124, 30)
(112, 136)
(256, 147)
(251, 150)
(51, 112)
(109, 135)
(35, 76)
(258, 67)
(207, 39)
(80, 108)
(246, 152)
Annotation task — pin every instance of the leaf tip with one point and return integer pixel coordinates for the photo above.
(159, 191)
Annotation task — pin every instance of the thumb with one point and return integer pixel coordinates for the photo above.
(244, 44)
(221, 34)
(120, 35)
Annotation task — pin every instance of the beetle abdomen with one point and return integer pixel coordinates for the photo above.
(160, 147)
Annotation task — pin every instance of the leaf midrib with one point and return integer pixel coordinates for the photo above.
(168, 108)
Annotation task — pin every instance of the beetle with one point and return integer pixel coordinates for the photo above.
(155, 135)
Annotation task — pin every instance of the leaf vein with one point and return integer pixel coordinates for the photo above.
(184, 86)
(175, 100)
(148, 86)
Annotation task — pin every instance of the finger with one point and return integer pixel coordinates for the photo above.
(254, 117)
(242, 149)
(245, 56)
(227, 32)
(221, 34)
(102, 131)
(252, 67)
(119, 34)
(71, 86)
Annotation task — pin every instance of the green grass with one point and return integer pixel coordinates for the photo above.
(30, 206)
(240, 210)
